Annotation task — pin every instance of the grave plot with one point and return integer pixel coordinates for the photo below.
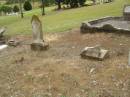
(60, 70)
(119, 24)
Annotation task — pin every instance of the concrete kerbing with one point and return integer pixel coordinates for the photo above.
(104, 24)
(109, 24)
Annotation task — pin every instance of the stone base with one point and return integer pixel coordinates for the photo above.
(39, 46)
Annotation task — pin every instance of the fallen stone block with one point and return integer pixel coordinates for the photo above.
(13, 43)
(94, 52)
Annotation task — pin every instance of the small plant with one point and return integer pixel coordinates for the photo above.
(27, 6)
(16, 9)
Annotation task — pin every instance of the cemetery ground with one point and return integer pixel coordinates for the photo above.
(60, 71)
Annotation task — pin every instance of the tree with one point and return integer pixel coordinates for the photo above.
(13, 1)
(5, 9)
(27, 6)
(21, 10)
(43, 8)
(74, 3)
(15, 8)
(59, 3)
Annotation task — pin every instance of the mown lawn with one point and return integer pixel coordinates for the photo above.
(58, 21)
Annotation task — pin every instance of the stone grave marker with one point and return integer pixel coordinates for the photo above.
(38, 43)
(94, 52)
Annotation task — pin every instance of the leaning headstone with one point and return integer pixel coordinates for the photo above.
(94, 52)
(38, 43)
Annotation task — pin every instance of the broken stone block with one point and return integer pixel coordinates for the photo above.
(13, 43)
(94, 52)
(2, 40)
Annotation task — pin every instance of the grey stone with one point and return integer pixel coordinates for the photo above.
(2, 38)
(2, 30)
(13, 42)
(38, 43)
(94, 52)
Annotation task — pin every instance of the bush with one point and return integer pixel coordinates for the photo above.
(5, 9)
(27, 6)
(15, 8)
(82, 2)
(74, 3)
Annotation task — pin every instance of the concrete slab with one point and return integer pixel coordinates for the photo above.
(94, 52)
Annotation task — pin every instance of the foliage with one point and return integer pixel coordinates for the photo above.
(15, 8)
(13, 1)
(58, 2)
(71, 3)
(5, 9)
(27, 5)
(81, 2)
(49, 2)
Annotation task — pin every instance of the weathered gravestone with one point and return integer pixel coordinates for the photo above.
(2, 30)
(38, 42)
(126, 12)
(2, 38)
(94, 52)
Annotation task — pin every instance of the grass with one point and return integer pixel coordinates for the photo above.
(58, 21)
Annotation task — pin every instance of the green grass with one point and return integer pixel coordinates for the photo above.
(58, 21)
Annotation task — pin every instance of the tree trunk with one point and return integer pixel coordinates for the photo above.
(59, 5)
(21, 11)
(43, 8)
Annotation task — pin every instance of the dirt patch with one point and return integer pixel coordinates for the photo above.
(60, 71)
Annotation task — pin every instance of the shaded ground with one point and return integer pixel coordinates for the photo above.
(60, 72)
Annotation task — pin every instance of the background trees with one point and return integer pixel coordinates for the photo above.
(15, 8)
(27, 5)
(71, 3)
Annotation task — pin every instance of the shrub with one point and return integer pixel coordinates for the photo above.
(82, 2)
(74, 3)
(5, 9)
(27, 6)
(15, 8)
